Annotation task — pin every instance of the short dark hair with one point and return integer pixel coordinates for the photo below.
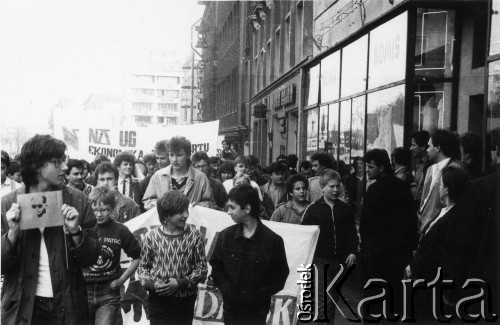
(242, 160)
(281, 157)
(227, 142)
(292, 160)
(179, 143)
(35, 153)
(101, 158)
(245, 194)
(161, 146)
(149, 158)
(13, 168)
(85, 164)
(402, 156)
(380, 158)
(421, 138)
(171, 203)
(278, 166)
(93, 165)
(447, 142)
(106, 167)
(456, 180)
(124, 156)
(324, 159)
(227, 167)
(290, 182)
(471, 145)
(198, 156)
(74, 163)
(306, 164)
(5, 158)
(214, 160)
(327, 175)
(104, 194)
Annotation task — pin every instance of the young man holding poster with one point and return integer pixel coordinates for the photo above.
(34, 290)
(249, 262)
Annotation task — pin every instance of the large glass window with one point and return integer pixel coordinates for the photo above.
(388, 52)
(385, 119)
(435, 36)
(330, 77)
(495, 27)
(311, 120)
(354, 61)
(358, 127)
(432, 106)
(493, 113)
(323, 128)
(313, 85)
(345, 131)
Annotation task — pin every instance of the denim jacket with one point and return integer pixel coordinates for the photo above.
(248, 271)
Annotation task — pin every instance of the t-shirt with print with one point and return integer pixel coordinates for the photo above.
(113, 237)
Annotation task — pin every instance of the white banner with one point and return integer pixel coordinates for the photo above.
(87, 141)
(300, 242)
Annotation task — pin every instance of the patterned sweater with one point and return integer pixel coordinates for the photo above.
(173, 256)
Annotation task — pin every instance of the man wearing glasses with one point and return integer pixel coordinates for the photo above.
(126, 209)
(42, 268)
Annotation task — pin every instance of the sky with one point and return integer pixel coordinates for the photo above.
(73, 48)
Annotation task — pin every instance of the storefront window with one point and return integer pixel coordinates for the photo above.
(354, 61)
(388, 52)
(313, 85)
(323, 127)
(330, 77)
(493, 113)
(345, 131)
(385, 119)
(435, 36)
(311, 120)
(495, 27)
(432, 106)
(358, 127)
(333, 130)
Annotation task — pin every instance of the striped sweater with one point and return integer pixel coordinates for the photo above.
(181, 257)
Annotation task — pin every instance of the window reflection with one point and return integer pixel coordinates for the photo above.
(493, 113)
(434, 43)
(385, 119)
(312, 131)
(313, 85)
(432, 106)
(330, 77)
(323, 128)
(333, 129)
(354, 61)
(345, 131)
(358, 127)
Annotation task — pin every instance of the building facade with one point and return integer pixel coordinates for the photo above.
(383, 69)
(189, 111)
(151, 93)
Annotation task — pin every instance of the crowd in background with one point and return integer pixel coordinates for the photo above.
(403, 214)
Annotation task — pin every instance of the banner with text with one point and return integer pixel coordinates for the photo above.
(300, 242)
(85, 142)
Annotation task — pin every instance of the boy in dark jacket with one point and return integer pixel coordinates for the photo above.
(338, 238)
(249, 262)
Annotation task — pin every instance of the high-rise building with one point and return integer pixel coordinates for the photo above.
(151, 93)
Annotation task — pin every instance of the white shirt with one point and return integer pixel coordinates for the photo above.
(127, 185)
(44, 281)
(9, 186)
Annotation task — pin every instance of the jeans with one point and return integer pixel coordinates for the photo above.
(333, 268)
(104, 304)
(44, 312)
(171, 310)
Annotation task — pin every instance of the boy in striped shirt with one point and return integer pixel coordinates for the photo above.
(173, 262)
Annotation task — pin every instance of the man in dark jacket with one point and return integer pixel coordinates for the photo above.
(338, 238)
(43, 281)
(249, 262)
(388, 225)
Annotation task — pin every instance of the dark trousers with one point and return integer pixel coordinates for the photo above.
(44, 312)
(250, 318)
(165, 310)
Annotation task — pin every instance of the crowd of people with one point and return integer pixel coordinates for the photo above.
(399, 215)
